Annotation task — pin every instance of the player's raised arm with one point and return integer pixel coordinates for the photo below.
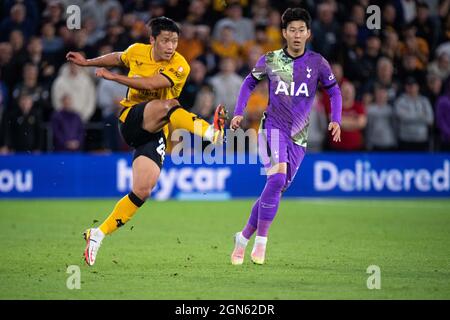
(155, 82)
(108, 60)
(257, 74)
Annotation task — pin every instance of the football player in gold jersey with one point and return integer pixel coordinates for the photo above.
(157, 74)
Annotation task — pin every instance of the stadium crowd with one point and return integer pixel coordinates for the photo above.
(395, 81)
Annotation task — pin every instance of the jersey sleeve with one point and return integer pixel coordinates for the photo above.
(259, 72)
(126, 55)
(326, 75)
(177, 72)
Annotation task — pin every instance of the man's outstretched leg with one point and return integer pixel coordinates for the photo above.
(160, 112)
(145, 175)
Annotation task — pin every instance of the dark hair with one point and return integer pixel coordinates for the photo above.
(294, 14)
(260, 27)
(159, 24)
(423, 4)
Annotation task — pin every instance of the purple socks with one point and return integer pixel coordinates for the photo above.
(265, 208)
(252, 222)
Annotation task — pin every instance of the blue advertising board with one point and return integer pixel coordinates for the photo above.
(320, 175)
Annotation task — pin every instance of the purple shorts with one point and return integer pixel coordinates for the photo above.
(276, 146)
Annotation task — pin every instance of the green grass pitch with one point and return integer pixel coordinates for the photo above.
(317, 249)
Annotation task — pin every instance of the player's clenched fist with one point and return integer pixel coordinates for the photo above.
(236, 122)
(104, 73)
(76, 58)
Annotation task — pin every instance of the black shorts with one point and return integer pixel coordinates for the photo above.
(150, 145)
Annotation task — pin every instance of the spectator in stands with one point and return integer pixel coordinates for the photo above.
(55, 13)
(261, 40)
(16, 21)
(254, 54)
(114, 15)
(74, 81)
(370, 57)
(109, 95)
(391, 46)
(259, 12)
(385, 77)
(3, 94)
(23, 132)
(67, 127)
(380, 130)
(256, 105)
(94, 35)
(426, 26)
(415, 46)
(156, 8)
(414, 117)
(47, 64)
(197, 13)
(226, 84)
(204, 103)
(243, 27)
(195, 81)
(38, 93)
(81, 37)
(177, 9)
(443, 9)
(273, 29)
(353, 122)
(19, 54)
(325, 30)
(433, 88)
(389, 18)
(409, 68)
(17, 42)
(406, 10)
(444, 35)
(32, 9)
(51, 43)
(117, 37)
(3, 104)
(444, 47)
(6, 66)
(349, 53)
(98, 10)
(443, 119)
(440, 66)
(189, 45)
(210, 59)
(226, 46)
(358, 15)
(137, 9)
